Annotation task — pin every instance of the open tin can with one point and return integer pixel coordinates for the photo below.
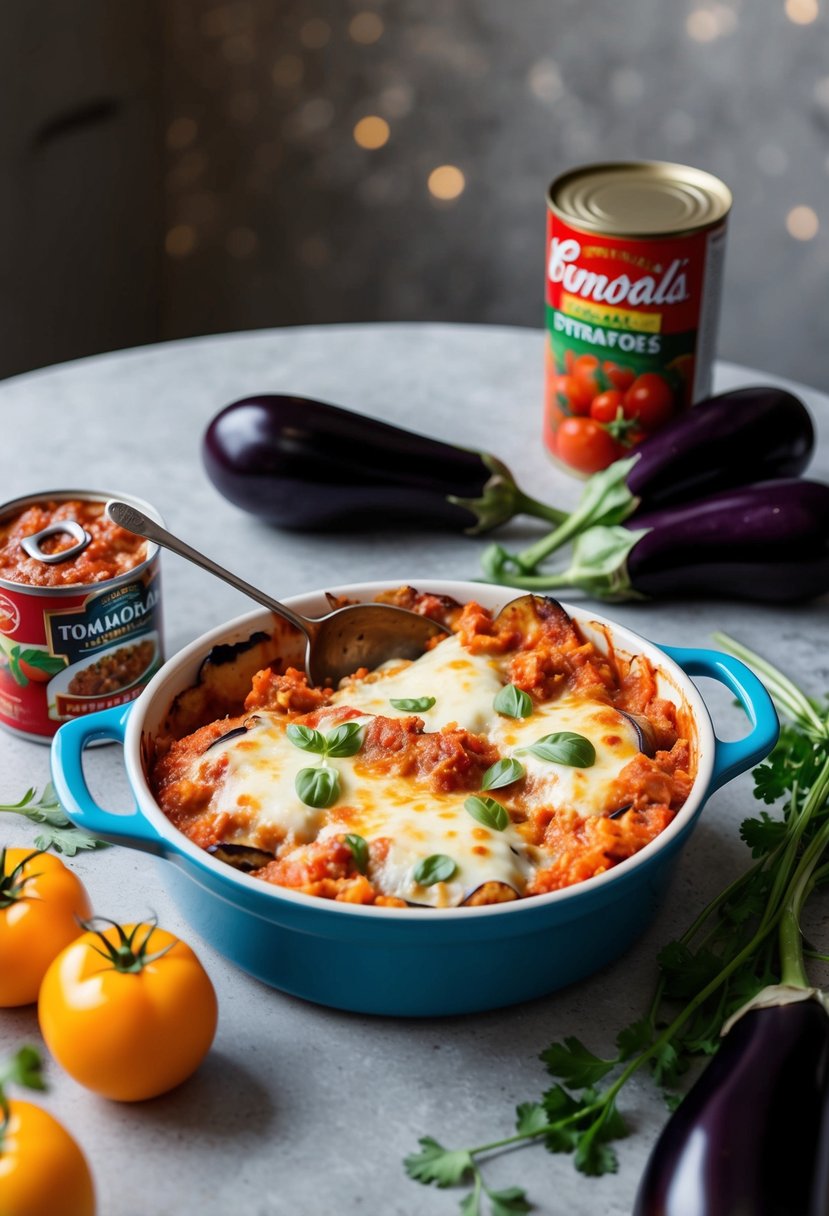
(80, 610)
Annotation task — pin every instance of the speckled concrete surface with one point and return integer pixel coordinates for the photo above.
(300, 1109)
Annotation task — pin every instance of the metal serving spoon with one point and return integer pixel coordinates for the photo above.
(359, 635)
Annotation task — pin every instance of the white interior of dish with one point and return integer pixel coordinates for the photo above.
(181, 672)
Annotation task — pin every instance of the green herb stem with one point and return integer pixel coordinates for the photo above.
(785, 693)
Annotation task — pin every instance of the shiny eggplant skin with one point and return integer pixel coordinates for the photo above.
(767, 542)
(305, 464)
(745, 435)
(743, 1141)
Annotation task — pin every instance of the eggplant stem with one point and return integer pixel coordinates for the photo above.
(524, 505)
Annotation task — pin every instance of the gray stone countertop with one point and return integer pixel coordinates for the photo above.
(300, 1109)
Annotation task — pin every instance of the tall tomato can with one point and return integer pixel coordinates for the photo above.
(80, 610)
(633, 284)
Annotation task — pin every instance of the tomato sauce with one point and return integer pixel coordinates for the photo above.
(111, 551)
(634, 263)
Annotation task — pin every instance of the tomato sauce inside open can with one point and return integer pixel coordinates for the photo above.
(634, 270)
(80, 610)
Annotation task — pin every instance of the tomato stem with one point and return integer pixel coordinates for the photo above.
(125, 955)
(12, 884)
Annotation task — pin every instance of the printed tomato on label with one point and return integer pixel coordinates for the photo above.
(605, 407)
(42, 1170)
(573, 394)
(41, 902)
(649, 400)
(128, 1011)
(586, 445)
(619, 377)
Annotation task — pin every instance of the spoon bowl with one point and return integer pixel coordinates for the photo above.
(337, 644)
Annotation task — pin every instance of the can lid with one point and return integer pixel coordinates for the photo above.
(640, 199)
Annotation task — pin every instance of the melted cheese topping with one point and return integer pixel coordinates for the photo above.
(464, 686)
(584, 790)
(261, 771)
(258, 786)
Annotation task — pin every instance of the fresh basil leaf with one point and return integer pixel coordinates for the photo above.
(512, 702)
(359, 848)
(344, 740)
(318, 787)
(488, 812)
(502, 773)
(306, 738)
(436, 868)
(564, 747)
(413, 705)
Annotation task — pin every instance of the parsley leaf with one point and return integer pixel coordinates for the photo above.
(530, 1117)
(572, 1061)
(510, 1201)
(434, 1163)
(56, 830)
(763, 835)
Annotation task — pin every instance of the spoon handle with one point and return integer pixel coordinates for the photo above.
(136, 521)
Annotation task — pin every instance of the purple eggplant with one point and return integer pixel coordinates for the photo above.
(304, 464)
(746, 435)
(766, 542)
(734, 439)
(744, 1140)
(301, 463)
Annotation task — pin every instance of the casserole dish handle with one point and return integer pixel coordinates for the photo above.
(731, 758)
(129, 828)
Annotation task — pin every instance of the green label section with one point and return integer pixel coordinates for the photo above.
(639, 351)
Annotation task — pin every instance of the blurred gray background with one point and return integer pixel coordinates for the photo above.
(177, 167)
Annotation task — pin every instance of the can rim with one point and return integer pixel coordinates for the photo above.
(714, 186)
(66, 589)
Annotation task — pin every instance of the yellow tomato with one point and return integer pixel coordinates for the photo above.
(41, 902)
(131, 1025)
(42, 1170)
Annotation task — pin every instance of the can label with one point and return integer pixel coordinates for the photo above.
(631, 330)
(64, 653)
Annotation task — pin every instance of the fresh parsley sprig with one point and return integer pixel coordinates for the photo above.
(56, 830)
(745, 939)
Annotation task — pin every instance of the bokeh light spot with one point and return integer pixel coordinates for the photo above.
(288, 71)
(802, 223)
(446, 182)
(315, 34)
(802, 12)
(180, 240)
(181, 133)
(366, 28)
(371, 132)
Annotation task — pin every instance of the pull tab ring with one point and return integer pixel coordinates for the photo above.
(62, 527)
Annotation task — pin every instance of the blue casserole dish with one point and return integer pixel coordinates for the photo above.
(410, 962)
